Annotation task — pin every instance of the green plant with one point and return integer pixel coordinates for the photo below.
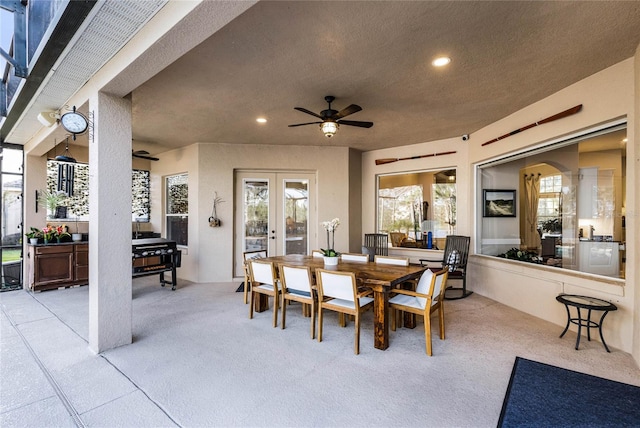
(553, 225)
(329, 252)
(521, 255)
(33, 233)
(49, 200)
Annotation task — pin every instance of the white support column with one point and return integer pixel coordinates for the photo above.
(110, 223)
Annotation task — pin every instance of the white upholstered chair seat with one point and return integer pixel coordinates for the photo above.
(411, 301)
(363, 301)
(428, 298)
(269, 287)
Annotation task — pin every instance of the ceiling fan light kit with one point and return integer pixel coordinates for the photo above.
(332, 119)
(329, 128)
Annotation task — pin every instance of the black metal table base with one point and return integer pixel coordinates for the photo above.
(585, 322)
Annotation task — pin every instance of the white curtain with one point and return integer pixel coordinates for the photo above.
(531, 195)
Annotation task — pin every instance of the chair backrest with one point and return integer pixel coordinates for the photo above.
(336, 284)
(351, 257)
(376, 243)
(456, 252)
(388, 260)
(262, 271)
(317, 253)
(432, 284)
(439, 285)
(396, 238)
(296, 278)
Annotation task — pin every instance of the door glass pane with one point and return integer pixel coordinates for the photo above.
(178, 209)
(296, 209)
(11, 230)
(256, 214)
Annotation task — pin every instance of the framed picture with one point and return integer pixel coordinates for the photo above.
(499, 203)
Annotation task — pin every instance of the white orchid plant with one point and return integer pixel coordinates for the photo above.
(330, 227)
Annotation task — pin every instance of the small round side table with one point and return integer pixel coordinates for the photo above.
(590, 304)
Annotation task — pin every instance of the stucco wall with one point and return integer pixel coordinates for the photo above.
(211, 168)
(605, 96)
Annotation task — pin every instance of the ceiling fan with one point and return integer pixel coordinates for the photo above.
(332, 119)
(142, 154)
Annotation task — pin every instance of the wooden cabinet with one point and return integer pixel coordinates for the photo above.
(57, 265)
(81, 254)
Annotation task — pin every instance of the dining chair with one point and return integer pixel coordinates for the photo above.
(337, 291)
(455, 257)
(317, 253)
(428, 298)
(246, 256)
(389, 260)
(353, 257)
(375, 243)
(264, 280)
(297, 286)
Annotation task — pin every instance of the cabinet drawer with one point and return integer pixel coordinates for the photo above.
(54, 249)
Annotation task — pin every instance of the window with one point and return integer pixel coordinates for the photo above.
(412, 204)
(571, 197)
(549, 205)
(71, 183)
(177, 209)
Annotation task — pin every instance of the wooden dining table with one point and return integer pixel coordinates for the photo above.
(379, 277)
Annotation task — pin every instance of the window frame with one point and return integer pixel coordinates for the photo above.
(439, 227)
(548, 146)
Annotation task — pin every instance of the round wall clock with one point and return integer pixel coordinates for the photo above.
(74, 122)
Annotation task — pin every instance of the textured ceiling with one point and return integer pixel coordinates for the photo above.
(280, 55)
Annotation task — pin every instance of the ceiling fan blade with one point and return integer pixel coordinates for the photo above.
(302, 124)
(135, 155)
(353, 108)
(304, 110)
(356, 123)
(140, 152)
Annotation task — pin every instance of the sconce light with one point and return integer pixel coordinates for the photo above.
(48, 118)
(329, 128)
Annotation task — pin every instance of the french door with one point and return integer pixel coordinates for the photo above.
(274, 212)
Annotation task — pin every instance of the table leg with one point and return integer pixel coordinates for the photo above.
(409, 318)
(600, 331)
(589, 325)
(261, 303)
(381, 317)
(579, 328)
(568, 320)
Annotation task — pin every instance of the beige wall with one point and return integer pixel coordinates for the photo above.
(605, 96)
(211, 167)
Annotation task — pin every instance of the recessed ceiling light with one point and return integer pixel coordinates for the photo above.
(261, 120)
(441, 61)
(624, 140)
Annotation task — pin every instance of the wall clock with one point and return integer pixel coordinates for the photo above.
(74, 122)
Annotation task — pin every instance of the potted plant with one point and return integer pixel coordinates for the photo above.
(51, 200)
(330, 255)
(61, 232)
(34, 234)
